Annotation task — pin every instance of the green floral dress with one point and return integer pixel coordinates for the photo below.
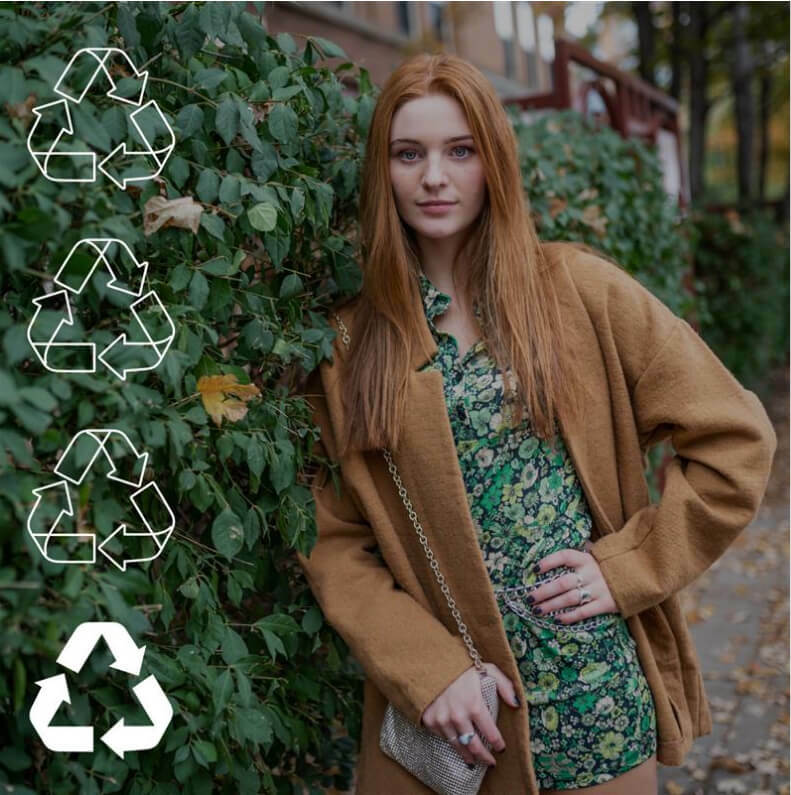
(590, 707)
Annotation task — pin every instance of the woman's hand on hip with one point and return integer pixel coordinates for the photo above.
(563, 592)
(460, 709)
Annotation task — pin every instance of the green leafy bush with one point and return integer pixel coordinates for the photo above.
(267, 152)
(742, 264)
(591, 185)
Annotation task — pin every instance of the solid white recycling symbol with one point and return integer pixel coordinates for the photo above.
(55, 690)
(84, 450)
(52, 153)
(52, 343)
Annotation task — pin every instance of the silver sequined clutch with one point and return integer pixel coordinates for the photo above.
(432, 758)
(427, 756)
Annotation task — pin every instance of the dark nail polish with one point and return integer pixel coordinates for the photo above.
(537, 611)
(530, 600)
(471, 765)
(536, 568)
(517, 701)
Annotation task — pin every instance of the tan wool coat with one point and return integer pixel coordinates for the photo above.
(647, 376)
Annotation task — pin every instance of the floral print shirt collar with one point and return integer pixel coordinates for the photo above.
(435, 302)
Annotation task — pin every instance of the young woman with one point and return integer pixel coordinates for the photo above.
(518, 385)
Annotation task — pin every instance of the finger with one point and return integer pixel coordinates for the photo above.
(452, 734)
(488, 728)
(570, 598)
(563, 557)
(578, 613)
(556, 588)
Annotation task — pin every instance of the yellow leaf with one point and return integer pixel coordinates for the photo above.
(161, 212)
(224, 396)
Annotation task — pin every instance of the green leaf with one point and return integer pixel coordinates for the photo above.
(39, 398)
(16, 345)
(210, 78)
(8, 391)
(180, 278)
(208, 186)
(199, 290)
(190, 120)
(188, 34)
(219, 266)
(282, 123)
(264, 163)
(32, 419)
(233, 647)
(214, 225)
(313, 620)
(190, 588)
(255, 457)
(227, 533)
(291, 286)
(329, 48)
(230, 189)
(226, 122)
(179, 170)
(223, 688)
(263, 217)
(204, 752)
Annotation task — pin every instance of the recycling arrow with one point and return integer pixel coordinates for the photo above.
(51, 152)
(45, 535)
(94, 442)
(44, 522)
(153, 335)
(155, 538)
(128, 656)
(120, 738)
(54, 691)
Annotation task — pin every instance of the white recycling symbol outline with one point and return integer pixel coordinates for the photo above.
(72, 281)
(44, 534)
(100, 61)
(121, 738)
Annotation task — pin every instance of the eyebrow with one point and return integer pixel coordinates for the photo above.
(413, 141)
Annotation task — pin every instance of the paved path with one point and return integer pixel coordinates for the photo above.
(738, 616)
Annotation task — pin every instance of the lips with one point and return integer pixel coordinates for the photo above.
(435, 204)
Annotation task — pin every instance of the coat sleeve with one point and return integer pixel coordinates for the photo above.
(723, 442)
(408, 654)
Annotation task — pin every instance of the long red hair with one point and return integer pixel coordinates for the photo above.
(501, 259)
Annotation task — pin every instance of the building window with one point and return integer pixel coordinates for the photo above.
(404, 16)
(546, 38)
(437, 20)
(504, 28)
(526, 29)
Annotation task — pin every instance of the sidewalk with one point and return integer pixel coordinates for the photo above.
(738, 613)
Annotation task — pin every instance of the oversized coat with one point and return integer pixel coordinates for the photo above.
(647, 376)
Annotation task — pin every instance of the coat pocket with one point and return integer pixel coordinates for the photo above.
(673, 717)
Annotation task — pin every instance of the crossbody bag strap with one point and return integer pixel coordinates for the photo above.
(421, 535)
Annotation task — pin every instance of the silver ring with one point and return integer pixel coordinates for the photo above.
(584, 596)
(466, 739)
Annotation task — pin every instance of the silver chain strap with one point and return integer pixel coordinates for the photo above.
(422, 536)
(503, 593)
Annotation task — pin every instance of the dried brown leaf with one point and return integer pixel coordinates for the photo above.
(160, 212)
(224, 396)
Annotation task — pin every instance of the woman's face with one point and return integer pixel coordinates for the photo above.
(433, 157)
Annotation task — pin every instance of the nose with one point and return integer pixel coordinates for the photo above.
(434, 173)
